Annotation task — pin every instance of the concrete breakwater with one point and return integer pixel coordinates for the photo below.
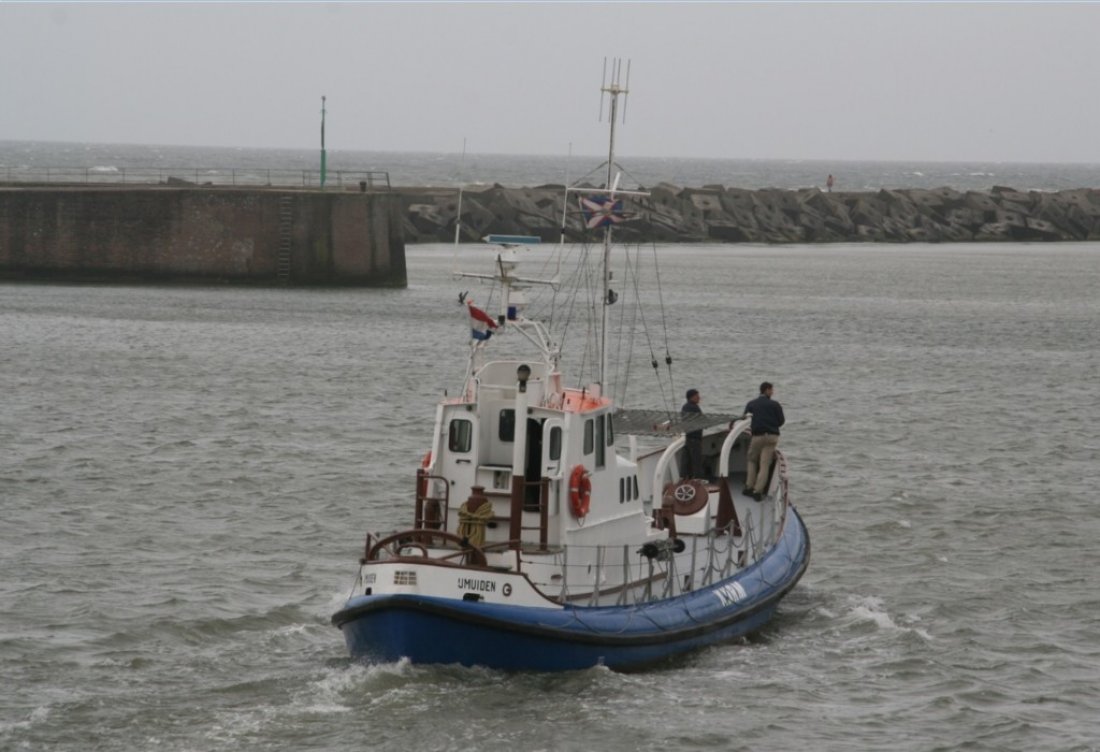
(201, 234)
(735, 215)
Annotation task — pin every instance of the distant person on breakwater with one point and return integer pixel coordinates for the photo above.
(829, 183)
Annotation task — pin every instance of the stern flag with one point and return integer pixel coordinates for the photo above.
(601, 211)
(481, 323)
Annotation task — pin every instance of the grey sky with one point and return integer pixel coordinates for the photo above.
(966, 82)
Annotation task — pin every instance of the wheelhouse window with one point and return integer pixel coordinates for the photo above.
(555, 443)
(460, 436)
(589, 442)
(601, 445)
(507, 429)
(610, 431)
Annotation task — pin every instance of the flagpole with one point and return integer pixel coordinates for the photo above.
(458, 210)
(322, 142)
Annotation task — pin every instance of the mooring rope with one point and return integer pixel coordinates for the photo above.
(471, 525)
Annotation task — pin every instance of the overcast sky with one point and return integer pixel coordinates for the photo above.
(917, 81)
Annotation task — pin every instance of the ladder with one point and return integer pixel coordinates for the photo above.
(282, 259)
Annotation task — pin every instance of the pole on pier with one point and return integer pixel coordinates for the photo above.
(322, 142)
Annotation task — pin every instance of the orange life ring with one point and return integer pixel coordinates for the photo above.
(580, 491)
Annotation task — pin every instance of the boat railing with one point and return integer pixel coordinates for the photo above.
(431, 510)
(589, 575)
(521, 502)
(416, 544)
(783, 493)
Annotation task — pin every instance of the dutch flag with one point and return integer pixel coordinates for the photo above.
(481, 323)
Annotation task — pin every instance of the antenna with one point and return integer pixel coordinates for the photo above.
(612, 83)
(613, 86)
(603, 87)
(458, 208)
(627, 97)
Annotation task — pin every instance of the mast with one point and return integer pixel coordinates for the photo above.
(612, 88)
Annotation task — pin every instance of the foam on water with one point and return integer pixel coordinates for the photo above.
(871, 609)
(37, 715)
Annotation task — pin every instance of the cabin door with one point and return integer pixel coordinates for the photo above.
(551, 455)
(532, 465)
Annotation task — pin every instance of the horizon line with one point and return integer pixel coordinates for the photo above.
(823, 160)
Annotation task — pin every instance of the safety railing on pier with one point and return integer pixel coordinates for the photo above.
(368, 180)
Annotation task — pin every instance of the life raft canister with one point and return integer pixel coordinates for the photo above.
(580, 491)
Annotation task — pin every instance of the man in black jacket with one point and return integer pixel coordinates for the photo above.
(767, 417)
(691, 466)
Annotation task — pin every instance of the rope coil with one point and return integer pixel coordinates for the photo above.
(471, 524)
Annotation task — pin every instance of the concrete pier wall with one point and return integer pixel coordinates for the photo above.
(241, 235)
(735, 215)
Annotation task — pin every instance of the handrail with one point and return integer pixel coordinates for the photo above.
(663, 464)
(420, 539)
(735, 431)
(363, 180)
(519, 504)
(424, 482)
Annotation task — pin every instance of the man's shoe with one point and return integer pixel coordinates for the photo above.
(746, 491)
(757, 495)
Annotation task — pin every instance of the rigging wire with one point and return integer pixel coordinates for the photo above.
(633, 325)
(620, 369)
(585, 351)
(572, 287)
(665, 402)
(567, 292)
(664, 321)
(575, 286)
(594, 280)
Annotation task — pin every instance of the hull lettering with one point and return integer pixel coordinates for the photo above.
(729, 594)
(477, 586)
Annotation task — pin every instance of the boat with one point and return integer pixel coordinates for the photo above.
(551, 528)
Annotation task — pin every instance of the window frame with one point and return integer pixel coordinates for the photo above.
(507, 418)
(554, 444)
(452, 435)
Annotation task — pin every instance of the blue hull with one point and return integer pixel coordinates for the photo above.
(438, 630)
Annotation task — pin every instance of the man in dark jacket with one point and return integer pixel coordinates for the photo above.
(767, 417)
(692, 464)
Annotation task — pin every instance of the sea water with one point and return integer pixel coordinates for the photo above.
(186, 475)
(20, 160)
